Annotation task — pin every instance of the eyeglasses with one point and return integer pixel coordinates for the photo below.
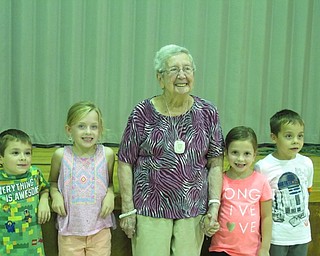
(174, 71)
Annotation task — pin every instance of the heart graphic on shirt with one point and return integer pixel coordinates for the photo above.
(231, 226)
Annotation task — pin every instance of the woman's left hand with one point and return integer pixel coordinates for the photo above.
(209, 226)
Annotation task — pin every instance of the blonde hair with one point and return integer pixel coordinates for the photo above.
(82, 108)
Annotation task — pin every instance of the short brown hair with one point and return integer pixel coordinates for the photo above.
(12, 135)
(285, 116)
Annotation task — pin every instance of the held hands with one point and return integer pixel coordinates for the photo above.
(58, 205)
(209, 221)
(209, 225)
(107, 205)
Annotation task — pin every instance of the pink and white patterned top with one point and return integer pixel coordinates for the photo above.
(83, 183)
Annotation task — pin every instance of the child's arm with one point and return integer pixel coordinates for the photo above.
(266, 227)
(44, 212)
(57, 199)
(108, 201)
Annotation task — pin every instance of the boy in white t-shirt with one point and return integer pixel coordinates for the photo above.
(290, 175)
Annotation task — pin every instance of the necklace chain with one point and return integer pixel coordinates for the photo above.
(179, 145)
(171, 118)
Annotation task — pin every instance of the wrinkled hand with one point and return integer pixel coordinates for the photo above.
(58, 205)
(128, 225)
(209, 226)
(107, 205)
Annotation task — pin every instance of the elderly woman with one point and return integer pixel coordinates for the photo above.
(170, 163)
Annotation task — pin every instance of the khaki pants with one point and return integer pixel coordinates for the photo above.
(167, 237)
(95, 245)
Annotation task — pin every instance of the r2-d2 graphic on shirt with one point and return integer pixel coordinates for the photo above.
(289, 201)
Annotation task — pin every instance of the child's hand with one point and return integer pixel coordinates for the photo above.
(44, 212)
(209, 226)
(263, 252)
(107, 205)
(58, 205)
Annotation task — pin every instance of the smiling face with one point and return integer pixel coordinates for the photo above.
(289, 141)
(181, 83)
(85, 132)
(17, 158)
(240, 155)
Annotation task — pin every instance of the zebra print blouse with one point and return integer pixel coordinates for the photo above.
(166, 184)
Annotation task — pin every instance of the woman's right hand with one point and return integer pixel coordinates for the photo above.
(58, 205)
(128, 225)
